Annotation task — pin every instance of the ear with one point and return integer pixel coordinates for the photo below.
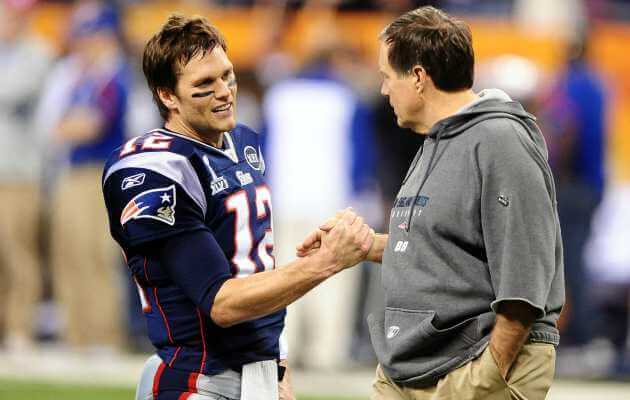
(168, 98)
(420, 77)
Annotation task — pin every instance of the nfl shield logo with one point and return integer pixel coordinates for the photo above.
(251, 156)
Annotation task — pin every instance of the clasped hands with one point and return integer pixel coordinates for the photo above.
(346, 238)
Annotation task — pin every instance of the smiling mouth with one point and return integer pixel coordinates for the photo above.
(224, 107)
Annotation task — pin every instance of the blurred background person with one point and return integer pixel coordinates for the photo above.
(85, 262)
(320, 158)
(24, 62)
(574, 118)
(607, 258)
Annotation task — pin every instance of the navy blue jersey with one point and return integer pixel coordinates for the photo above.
(163, 191)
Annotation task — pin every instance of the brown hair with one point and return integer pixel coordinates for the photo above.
(168, 51)
(441, 44)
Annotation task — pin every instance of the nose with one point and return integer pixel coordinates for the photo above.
(223, 89)
(384, 90)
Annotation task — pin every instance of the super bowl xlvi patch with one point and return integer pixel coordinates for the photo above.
(251, 156)
(133, 180)
(218, 185)
(157, 204)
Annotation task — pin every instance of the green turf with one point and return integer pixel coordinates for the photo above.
(19, 390)
(22, 390)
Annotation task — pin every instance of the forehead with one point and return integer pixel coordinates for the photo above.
(211, 64)
(383, 60)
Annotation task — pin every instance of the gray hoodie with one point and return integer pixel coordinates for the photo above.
(474, 223)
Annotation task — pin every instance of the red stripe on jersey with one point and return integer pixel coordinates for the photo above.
(184, 396)
(156, 380)
(170, 364)
(203, 342)
(168, 328)
(192, 382)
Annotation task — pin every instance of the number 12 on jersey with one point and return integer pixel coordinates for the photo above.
(238, 203)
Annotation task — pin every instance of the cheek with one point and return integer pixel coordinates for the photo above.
(199, 106)
(408, 99)
(397, 96)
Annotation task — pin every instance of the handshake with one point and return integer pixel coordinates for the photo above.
(341, 241)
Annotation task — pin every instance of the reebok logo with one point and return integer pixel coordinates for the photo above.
(392, 331)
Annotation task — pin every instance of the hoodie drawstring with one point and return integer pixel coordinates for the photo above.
(424, 179)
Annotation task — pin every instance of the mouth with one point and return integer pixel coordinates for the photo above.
(223, 109)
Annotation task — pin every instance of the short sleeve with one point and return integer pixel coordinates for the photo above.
(144, 205)
(518, 219)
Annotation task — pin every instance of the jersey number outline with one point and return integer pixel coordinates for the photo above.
(155, 141)
(238, 203)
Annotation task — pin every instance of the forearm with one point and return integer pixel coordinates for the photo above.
(264, 293)
(376, 251)
(511, 330)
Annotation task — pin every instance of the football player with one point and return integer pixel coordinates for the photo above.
(189, 206)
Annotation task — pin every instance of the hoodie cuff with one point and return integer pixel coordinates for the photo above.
(539, 310)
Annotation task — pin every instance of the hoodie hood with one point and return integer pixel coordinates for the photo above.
(489, 101)
(492, 103)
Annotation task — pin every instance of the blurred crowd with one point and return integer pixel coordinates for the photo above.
(330, 140)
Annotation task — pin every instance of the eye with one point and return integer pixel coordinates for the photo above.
(228, 76)
(204, 83)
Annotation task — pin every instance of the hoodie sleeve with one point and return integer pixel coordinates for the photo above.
(517, 217)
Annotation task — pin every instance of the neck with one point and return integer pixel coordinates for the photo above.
(440, 105)
(177, 125)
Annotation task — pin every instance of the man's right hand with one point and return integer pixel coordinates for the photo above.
(313, 240)
(348, 241)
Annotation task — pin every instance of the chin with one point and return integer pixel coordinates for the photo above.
(224, 125)
(402, 123)
(230, 125)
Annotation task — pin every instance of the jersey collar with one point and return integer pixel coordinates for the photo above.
(229, 151)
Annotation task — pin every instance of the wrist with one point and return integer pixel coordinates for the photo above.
(375, 254)
(325, 263)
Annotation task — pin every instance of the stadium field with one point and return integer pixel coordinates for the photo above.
(22, 390)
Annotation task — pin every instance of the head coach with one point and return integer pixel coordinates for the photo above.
(472, 264)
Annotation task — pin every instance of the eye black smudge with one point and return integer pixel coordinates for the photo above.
(203, 94)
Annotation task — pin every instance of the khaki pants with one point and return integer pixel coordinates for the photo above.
(529, 379)
(85, 262)
(20, 276)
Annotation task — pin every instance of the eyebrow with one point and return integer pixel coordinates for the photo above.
(203, 81)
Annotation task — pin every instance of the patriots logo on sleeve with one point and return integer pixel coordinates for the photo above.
(157, 204)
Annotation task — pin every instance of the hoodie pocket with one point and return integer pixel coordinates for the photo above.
(408, 344)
